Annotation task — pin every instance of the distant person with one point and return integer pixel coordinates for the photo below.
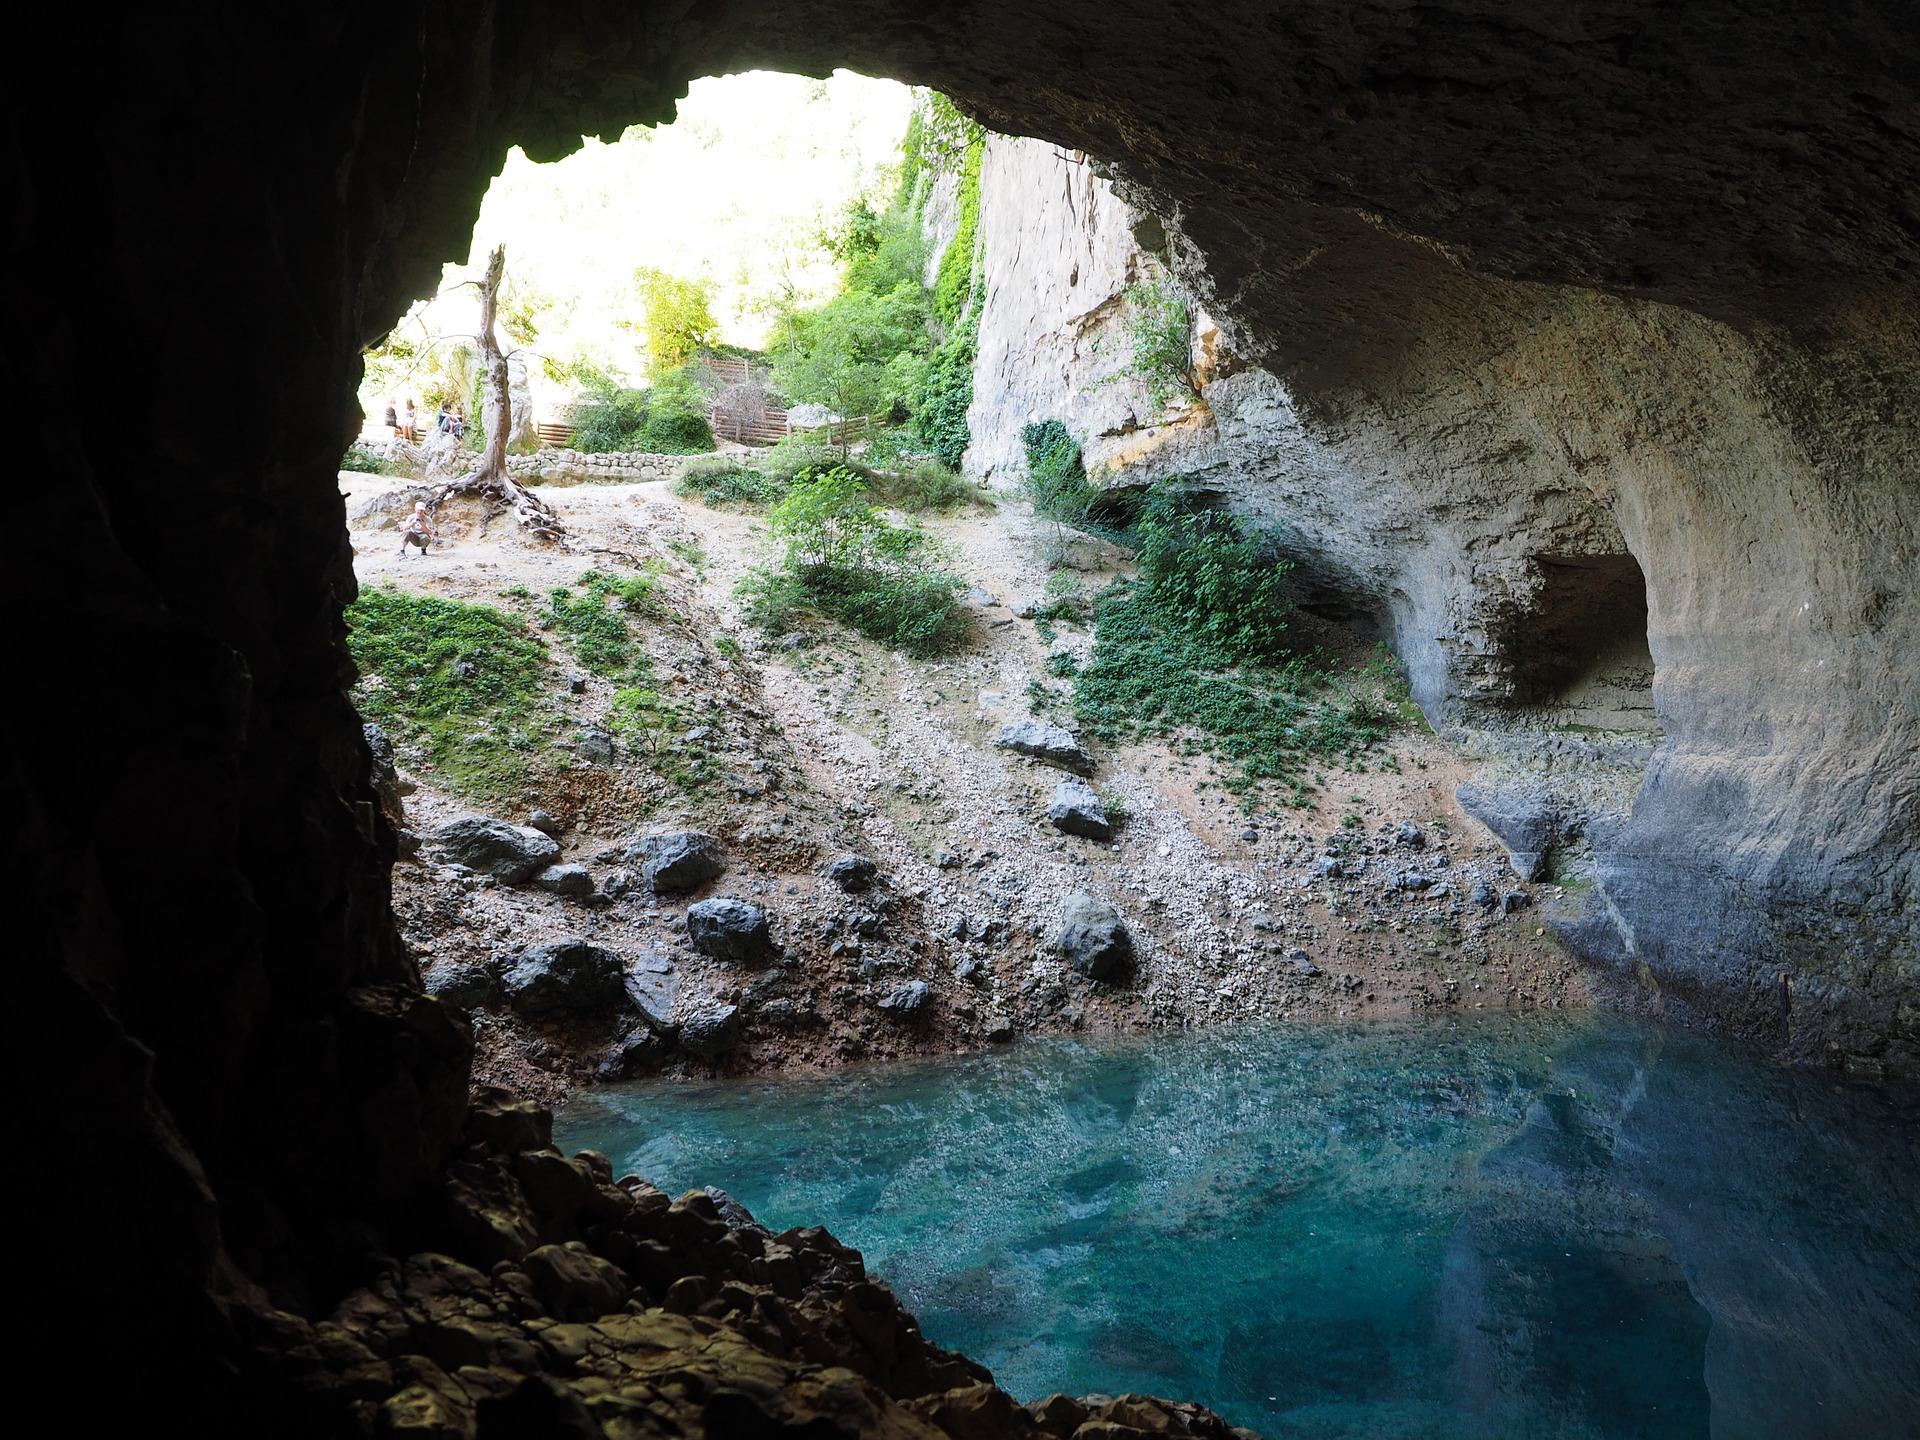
(393, 418)
(413, 424)
(440, 423)
(419, 529)
(459, 422)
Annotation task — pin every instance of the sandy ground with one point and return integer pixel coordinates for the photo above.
(846, 747)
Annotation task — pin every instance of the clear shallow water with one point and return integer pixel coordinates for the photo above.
(1519, 1226)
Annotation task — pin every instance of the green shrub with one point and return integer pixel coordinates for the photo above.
(1196, 647)
(925, 485)
(1208, 571)
(723, 482)
(1056, 479)
(361, 460)
(668, 418)
(839, 555)
(946, 394)
(1159, 327)
(460, 682)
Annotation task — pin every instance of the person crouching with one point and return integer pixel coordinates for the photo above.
(419, 529)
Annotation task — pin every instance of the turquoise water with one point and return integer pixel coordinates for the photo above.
(1519, 1226)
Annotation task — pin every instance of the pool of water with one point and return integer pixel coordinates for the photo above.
(1519, 1226)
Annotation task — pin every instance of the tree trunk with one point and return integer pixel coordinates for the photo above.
(491, 480)
(493, 464)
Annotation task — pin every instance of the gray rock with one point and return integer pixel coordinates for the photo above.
(674, 861)
(1330, 867)
(1485, 896)
(1250, 833)
(946, 860)
(576, 683)
(653, 985)
(384, 777)
(1076, 808)
(595, 746)
(908, 1000)
(471, 985)
(982, 598)
(545, 824)
(728, 928)
(1302, 963)
(1411, 880)
(512, 853)
(711, 1032)
(1052, 744)
(1094, 940)
(569, 977)
(1027, 609)
(852, 873)
(1526, 820)
(1515, 900)
(1409, 835)
(999, 1029)
(640, 1050)
(565, 880)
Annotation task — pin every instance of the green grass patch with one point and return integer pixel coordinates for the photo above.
(729, 482)
(594, 622)
(458, 683)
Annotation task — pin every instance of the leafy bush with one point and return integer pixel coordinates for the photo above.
(1056, 479)
(925, 485)
(668, 418)
(1210, 572)
(946, 393)
(839, 555)
(721, 482)
(1159, 327)
(459, 681)
(677, 320)
(364, 461)
(1197, 645)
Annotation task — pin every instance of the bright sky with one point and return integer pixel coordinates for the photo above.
(736, 190)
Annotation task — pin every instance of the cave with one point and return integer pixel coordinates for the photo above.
(1580, 657)
(1633, 272)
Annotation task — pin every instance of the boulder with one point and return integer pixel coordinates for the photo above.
(711, 1032)
(565, 880)
(1525, 819)
(852, 873)
(1094, 940)
(640, 1050)
(595, 746)
(672, 861)
(906, 1001)
(511, 853)
(653, 985)
(470, 985)
(545, 824)
(728, 928)
(1076, 809)
(1052, 744)
(569, 977)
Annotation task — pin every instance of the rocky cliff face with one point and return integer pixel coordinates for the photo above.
(1672, 248)
(1567, 519)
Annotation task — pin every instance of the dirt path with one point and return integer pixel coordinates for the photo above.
(872, 752)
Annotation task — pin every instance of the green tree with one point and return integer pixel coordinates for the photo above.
(859, 354)
(676, 317)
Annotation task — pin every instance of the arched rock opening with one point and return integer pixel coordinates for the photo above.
(1405, 215)
(1579, 656)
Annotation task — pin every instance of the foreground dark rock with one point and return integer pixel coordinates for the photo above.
(569, 977)
(1050, 744)
(675, 861)
(556, 1301)
(1093, 940)
(728, 928)
(1076, 808)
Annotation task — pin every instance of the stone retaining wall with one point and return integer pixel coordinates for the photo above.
(572, 467)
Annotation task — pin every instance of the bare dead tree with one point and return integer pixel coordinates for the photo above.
(491, 481)
(740, 407)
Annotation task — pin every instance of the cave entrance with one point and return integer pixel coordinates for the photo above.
(1580, 657)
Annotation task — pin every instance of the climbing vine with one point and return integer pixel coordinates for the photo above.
(954, 287)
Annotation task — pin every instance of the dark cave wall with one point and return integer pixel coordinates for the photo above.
(211, 999)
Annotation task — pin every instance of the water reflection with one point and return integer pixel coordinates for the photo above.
(1525, 1226)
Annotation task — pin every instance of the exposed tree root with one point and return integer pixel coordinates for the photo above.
(503, 493)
